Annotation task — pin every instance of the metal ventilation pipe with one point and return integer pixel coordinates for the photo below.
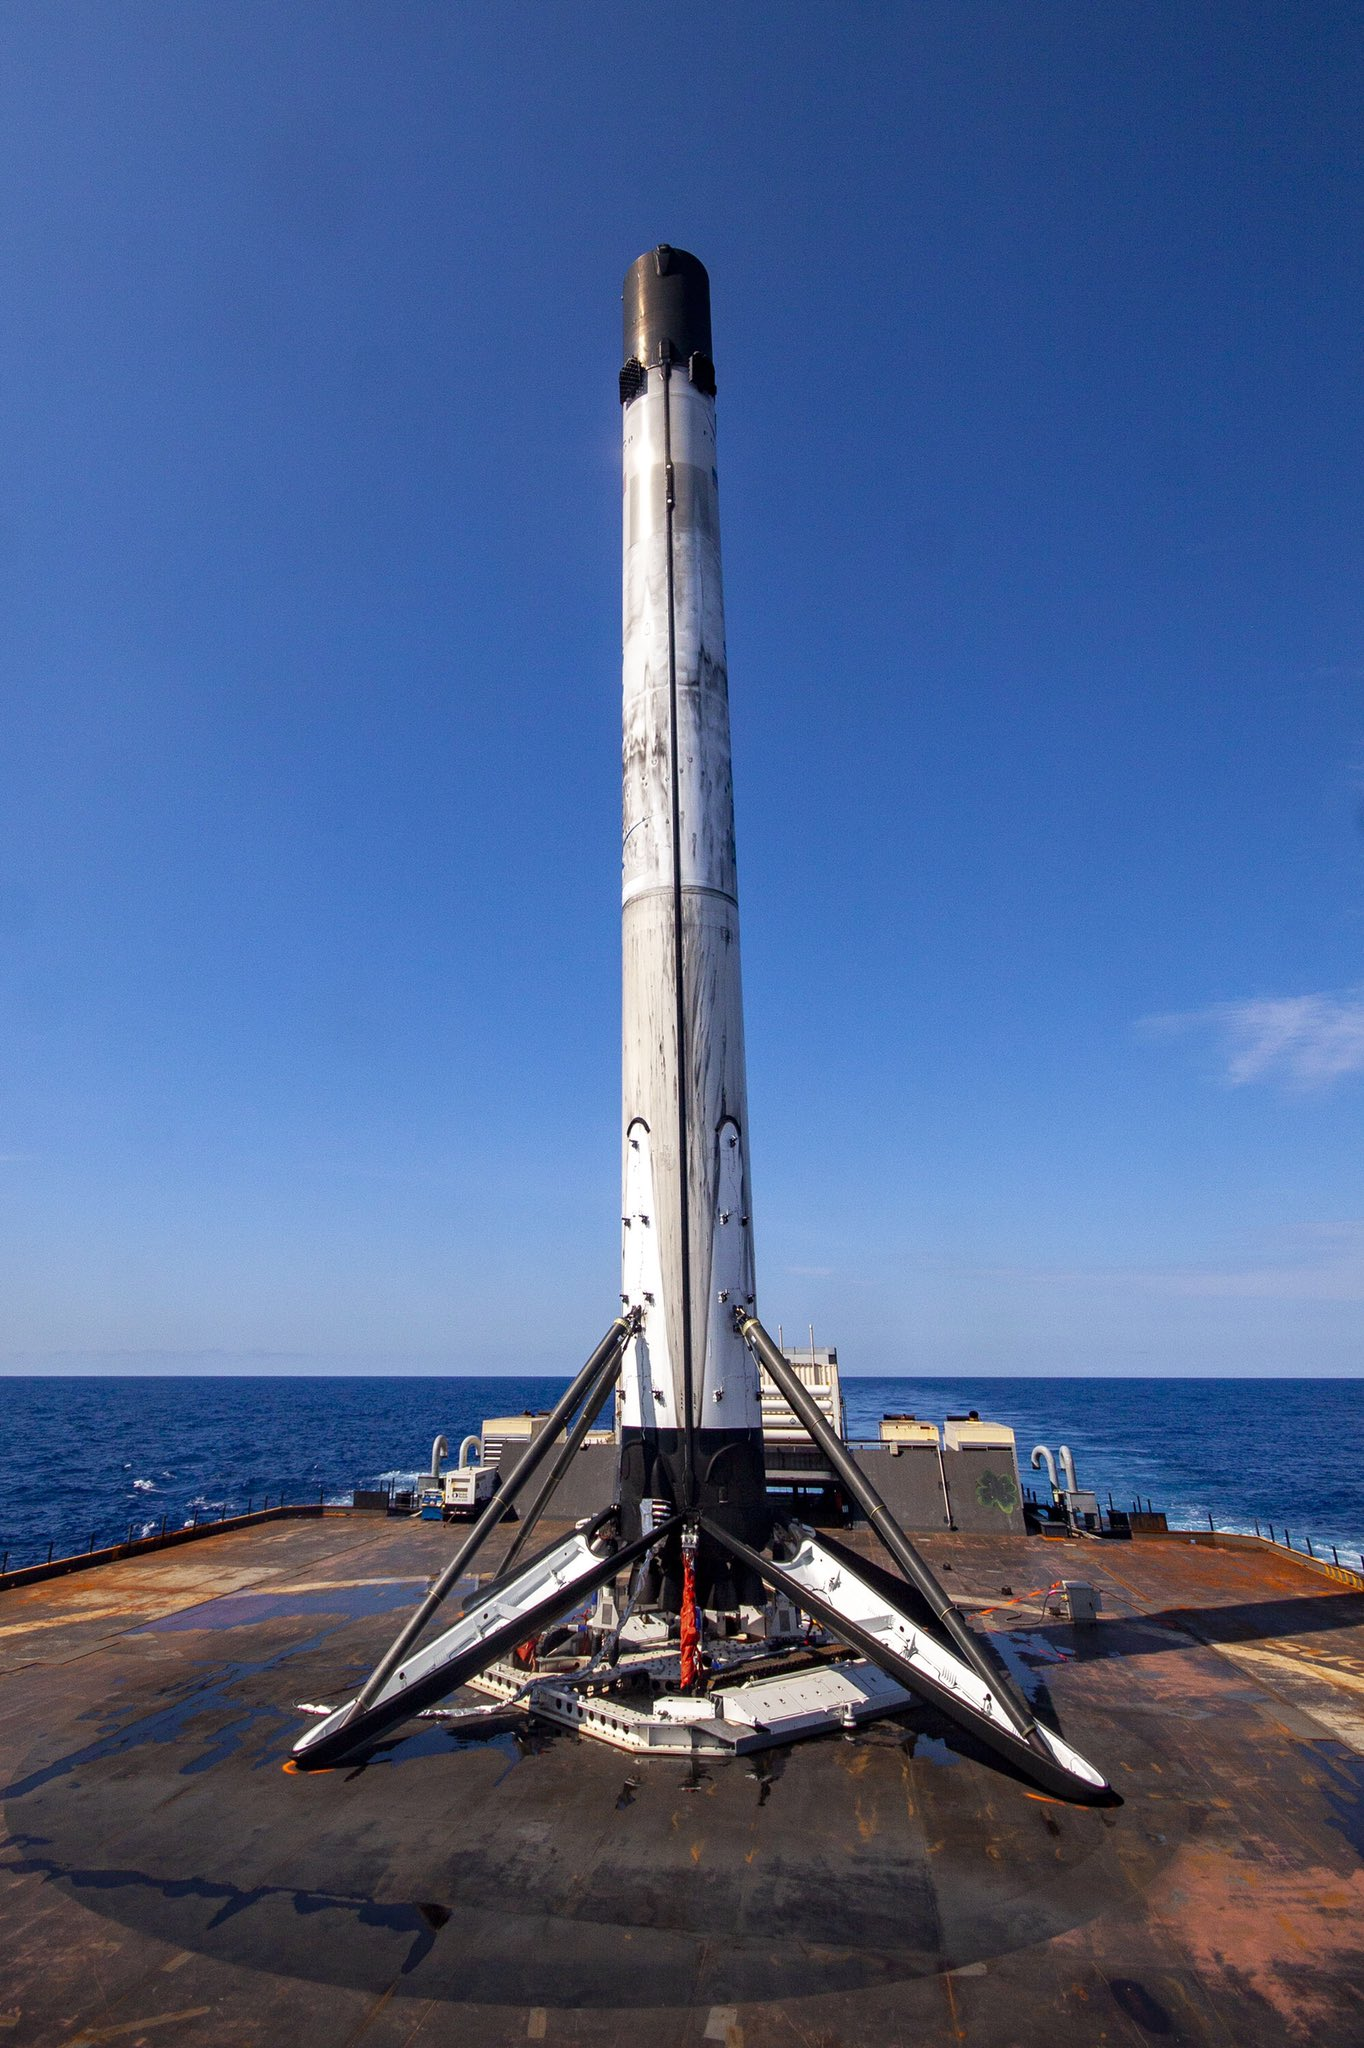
(439, 1449)
(1042, 1456)
(464, 1460)
(1067, 1464)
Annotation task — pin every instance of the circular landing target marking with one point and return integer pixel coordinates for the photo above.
(510, 1872)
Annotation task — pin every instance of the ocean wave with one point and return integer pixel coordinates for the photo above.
(1276, 1451)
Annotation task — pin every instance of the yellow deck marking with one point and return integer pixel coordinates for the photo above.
(23, 1628)
(89, 2035)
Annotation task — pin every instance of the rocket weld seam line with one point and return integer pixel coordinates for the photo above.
(680, 1002)
(642, 895)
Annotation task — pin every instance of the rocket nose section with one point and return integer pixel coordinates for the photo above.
(667, 307)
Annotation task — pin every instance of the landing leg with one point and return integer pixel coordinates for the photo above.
(825, 1580)
(606, 1356)
(502, 1614)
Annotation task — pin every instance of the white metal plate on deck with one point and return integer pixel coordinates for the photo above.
(784, 1705)
(676, 1706)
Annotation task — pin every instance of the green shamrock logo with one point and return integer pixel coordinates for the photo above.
(997, 1490)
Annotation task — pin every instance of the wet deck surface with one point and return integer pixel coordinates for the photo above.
(163, 1879)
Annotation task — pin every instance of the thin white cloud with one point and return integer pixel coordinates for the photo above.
(1319, 1262)
(1307, 1041)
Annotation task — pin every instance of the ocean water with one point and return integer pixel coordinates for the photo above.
(86, 1458)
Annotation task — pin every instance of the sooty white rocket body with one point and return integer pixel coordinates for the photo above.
(690, 1395)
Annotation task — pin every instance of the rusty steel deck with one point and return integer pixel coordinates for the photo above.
(164, 1880)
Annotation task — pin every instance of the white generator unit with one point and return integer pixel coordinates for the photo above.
(468, 1486)
(467, 1489)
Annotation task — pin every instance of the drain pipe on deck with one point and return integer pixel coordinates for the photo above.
(1041, 1455)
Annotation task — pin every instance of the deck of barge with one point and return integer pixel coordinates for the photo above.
(164, 1880)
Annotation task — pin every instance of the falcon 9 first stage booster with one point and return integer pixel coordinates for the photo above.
(691, 1421)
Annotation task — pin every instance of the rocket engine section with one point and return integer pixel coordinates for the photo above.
(691, 1412)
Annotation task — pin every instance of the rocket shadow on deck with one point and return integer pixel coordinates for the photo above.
(1246, 1621)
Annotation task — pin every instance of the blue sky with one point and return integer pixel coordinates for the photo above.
(1038, 343)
